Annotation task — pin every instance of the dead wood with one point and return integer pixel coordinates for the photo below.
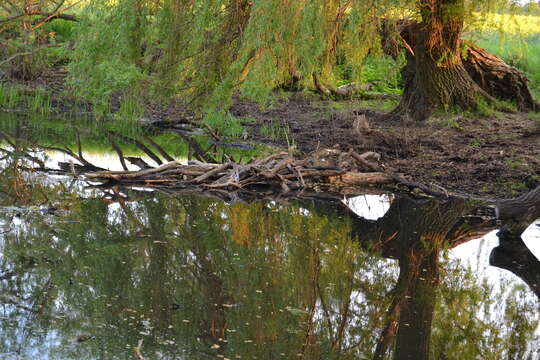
(281, 170)
(355, 178)
(119, 153)
(138, 162)
(158, 148)
(139, 145)
(363, 160)
(330, 170)
(499, 79)
(211, 173)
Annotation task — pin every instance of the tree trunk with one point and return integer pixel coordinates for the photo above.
(429, 87)
(517, 214)
(435, 75)
(440, 74)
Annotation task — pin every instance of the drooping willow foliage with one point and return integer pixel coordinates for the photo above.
(203, 51)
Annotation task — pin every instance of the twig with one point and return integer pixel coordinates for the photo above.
(139, 145)
(158, 148)
(120, 154)
(362, 160)
(132, 174)
(211, 173)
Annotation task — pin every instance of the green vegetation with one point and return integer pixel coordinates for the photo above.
(275, 130)
(15, 97)
(195, 276)
(202, 53)
(126, 56)
(94, 137)
(523, 53)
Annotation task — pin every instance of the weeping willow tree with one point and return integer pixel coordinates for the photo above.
(204, 52)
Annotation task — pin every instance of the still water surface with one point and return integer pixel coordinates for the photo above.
(116, 273)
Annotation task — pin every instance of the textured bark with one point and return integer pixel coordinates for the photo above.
(439, 74)
(435, 76)
(499, 79)
(427, 87)
(517, 214)
(358, 179)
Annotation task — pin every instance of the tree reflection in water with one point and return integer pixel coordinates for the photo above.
(197, 278)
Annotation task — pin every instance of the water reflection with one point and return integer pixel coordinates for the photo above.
(92, 273)
(196, 278)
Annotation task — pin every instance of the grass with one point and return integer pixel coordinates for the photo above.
(10, 96)
(524, 54)
(384, 105)
(275, 130)
(384, 73)
(61, 132)
(512, 25)
(13, 98)
(39, 103)
(127, 117)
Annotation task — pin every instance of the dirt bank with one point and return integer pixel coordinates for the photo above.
(494, 156)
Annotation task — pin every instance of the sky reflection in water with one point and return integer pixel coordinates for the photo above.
(194, 278)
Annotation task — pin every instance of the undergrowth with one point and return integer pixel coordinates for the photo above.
(13, 97)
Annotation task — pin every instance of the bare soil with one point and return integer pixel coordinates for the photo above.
(491, 156)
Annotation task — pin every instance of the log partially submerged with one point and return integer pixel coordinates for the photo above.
(339, 171)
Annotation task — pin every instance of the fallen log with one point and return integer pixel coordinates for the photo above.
(328, 167)
(361, 179)
(498, 79)
(329, 170)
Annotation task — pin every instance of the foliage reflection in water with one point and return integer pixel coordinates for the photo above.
(115, 273)
(123, 273)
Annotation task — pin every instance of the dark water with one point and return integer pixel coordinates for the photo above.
(116, 273)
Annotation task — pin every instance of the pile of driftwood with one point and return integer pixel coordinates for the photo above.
(326, 167)
(330, 168)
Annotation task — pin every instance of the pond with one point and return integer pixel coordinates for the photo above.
(94, 272)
